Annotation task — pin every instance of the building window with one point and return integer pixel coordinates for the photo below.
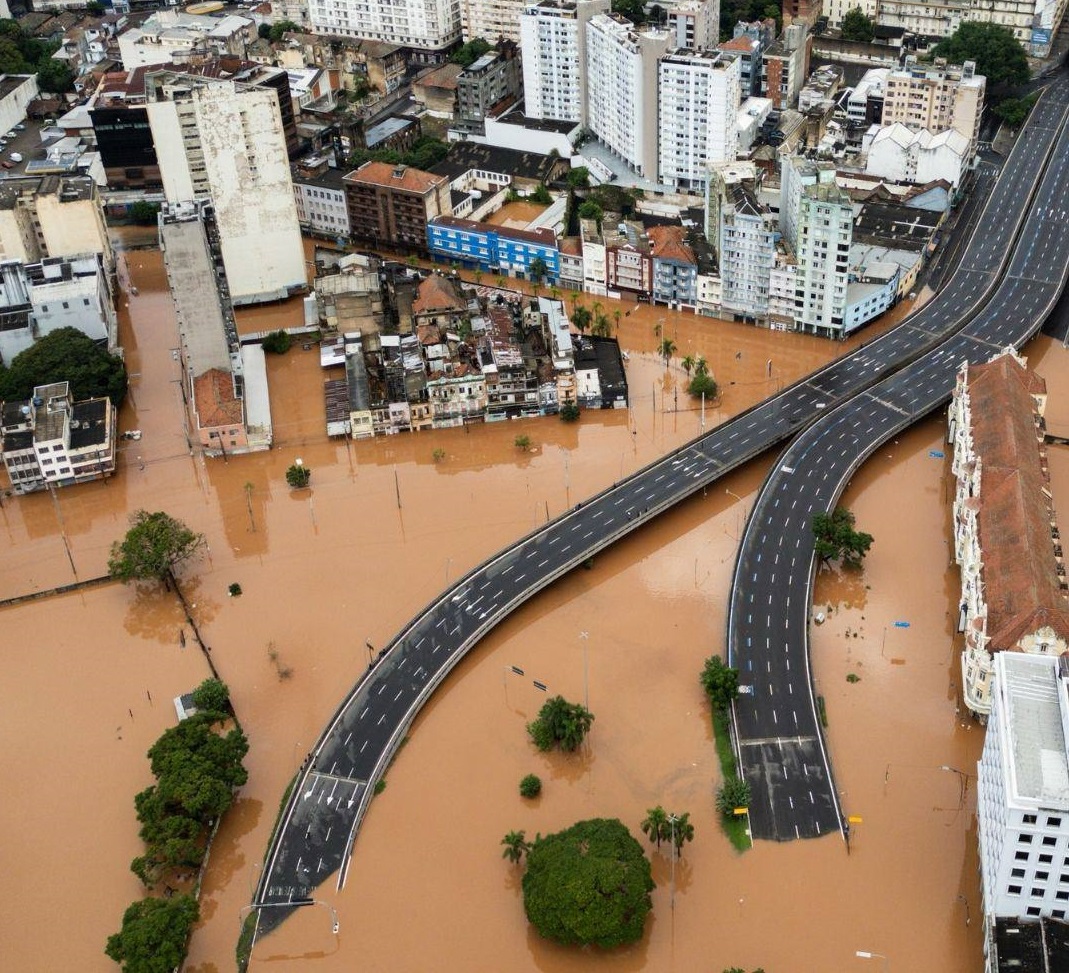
(1045, 859)
(1024, 839)
(1050, 841)
(1037, 892)
(1029, 819)
(1033, 911)
(1054, 822)
(1014, 890)
(1042, 876)
(1017, 873)
(1062, 896)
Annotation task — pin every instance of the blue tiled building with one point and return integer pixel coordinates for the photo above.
(498, 249)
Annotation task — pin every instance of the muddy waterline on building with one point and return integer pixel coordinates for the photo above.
(380, 532)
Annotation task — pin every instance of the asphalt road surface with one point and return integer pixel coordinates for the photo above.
(779, 737)
(322, 816)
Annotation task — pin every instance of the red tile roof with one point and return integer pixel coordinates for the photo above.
(670, 243)
(214, 400)
(436, 293)
(395, 177)
(1021, 584)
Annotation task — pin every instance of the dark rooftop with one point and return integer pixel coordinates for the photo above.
(12, 82)
(328, 179)
(897, 227)
(18, 440)
(470, 155)
(1030, 946)
(92, 419)
(517, 117)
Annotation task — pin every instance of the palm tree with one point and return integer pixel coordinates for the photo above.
(680, 830)
(581, 318)
(657, 330)
(688, 364)
(500, 281)
(478, 275)
(616, 318)
(554, 292)
(701, 367)
(654, 824)
(516, 846)
(602, 328)
(668, 347)
(596, 308)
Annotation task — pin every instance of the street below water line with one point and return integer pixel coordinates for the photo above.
(384, 527)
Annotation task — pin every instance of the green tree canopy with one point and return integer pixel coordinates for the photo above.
(469, 53)
(154, 546)
(212, 696)
(998, 55)
(54, 76)
(633, 10)
(856, 26)
(66, 355)
(734, 793)
(154, 935)
(560, 724)
(720, 682)
(283, 27)
(277, 342)
(703, 384)
(578, 178)
(588, 884)
(144, 214)
(590, 210)
(836, 539)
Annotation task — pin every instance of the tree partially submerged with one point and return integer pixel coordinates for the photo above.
(154, 547)
(66, 355)
(154, 935)
(560, 724)
(720, 682)
(734, 794)
(588, 885)
(836, 539)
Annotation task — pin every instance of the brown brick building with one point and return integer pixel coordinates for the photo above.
(393, 203)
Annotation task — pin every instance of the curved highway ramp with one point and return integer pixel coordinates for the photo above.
(328, 800)
(779, 740)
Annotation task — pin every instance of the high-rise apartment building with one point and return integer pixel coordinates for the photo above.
(429, 26)
(491, 19)
(553, 44)
(694, 24)
(936, 97)
(621, 68)
(698, 105)
(1022, 802)
(817, 222)
(489, 85)
(224, 140)
(743, 231)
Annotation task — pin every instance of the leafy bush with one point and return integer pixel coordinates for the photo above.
(588, 884)
(531, 786)
(298, 475)
(560, 724)
(733, 793)
(277, 342)
(569, 412)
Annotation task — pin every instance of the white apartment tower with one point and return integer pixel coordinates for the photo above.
(698, 106)
(553, 45)
(694, 24)
(816, 217)
(427, 25)
(224, 141)
(743, 232)
(491, 19)
(621, 69)
(1022, 803)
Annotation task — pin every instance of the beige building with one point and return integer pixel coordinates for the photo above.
(1006, 538)
(491, 19)
(224, 141)
(936, 97)
(52, 216)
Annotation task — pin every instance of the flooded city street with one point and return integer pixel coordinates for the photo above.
(90, 676)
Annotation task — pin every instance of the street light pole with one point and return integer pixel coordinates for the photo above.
(585, 636)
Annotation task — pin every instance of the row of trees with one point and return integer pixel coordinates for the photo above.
(65, 355)
(197, 769)
(425, 152)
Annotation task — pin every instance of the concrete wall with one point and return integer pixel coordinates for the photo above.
(13, 107)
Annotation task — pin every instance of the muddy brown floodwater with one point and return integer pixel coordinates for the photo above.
(382, 530)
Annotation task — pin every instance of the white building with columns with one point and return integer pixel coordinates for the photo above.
(1006, 538)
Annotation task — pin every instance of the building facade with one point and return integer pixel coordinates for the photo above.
(1006, 539)
(785, 66)
(427, 26)
(1022, 801)
(319, 192)
(675, 268)
(487, 86)
(224, 141)
(393, 204)
(936, 97)
(53, 441)
(553, 42)
(621, 69)
(698, 95)
(173, 37)
(743, 231)
(694, 24)
(825, 227)
(495, 249)
(491, 19)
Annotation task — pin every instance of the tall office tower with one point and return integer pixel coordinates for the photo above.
(225, 141)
